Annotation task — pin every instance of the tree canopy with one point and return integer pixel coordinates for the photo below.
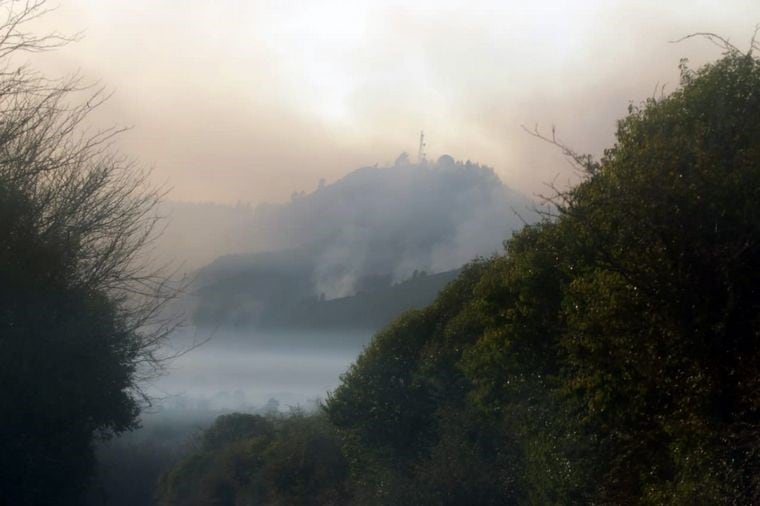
(615, 345)
(78, 306)
(610, 356)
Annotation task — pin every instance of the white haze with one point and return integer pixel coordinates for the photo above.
(392, 220)
(250, 99)
(246, 370)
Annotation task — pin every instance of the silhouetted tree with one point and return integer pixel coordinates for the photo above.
(79, 309)
(611, 356)
(249, 459)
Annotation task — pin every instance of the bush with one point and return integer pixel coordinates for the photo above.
(77, 305)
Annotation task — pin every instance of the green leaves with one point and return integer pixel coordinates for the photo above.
(610, 341)
(611, 356)
(249, 459)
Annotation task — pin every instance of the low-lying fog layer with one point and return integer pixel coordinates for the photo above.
(243, 371)
(251, 371)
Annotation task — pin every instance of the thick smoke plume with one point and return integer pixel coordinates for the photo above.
(394, 220)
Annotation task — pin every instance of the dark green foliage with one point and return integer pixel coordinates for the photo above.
(403, 407)
(129, 466)
(75, 296)
(614, 350)
(230, 428)
(249, 460)
(66, 361)
(610, 357)
(389, 408)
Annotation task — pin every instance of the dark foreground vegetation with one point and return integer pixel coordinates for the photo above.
(78, 331)
(609, 357)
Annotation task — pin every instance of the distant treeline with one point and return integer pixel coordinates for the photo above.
(280, 297)
(372, 234)
(611, 356)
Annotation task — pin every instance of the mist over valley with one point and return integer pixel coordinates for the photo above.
(219, 287)
(318, 275)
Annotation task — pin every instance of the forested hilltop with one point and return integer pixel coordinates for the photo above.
(280, 299)
(610, 356)
(357, 252)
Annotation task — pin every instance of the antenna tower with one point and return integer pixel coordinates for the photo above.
(421, 151)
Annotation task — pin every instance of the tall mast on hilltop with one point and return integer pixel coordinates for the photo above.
(421, 151)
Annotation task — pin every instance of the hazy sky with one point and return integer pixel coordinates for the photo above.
(250, 100)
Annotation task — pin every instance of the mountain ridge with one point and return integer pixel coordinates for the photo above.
(358, 240)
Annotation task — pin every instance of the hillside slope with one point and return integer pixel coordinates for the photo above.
(350, 254)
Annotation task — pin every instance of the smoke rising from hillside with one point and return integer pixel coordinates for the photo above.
(399, 219)
(250, 100)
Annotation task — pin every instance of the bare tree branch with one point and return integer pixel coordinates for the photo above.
(715, 39)
(82, 189)
(585, 164)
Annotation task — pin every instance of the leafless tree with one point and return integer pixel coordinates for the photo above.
(80, 186)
